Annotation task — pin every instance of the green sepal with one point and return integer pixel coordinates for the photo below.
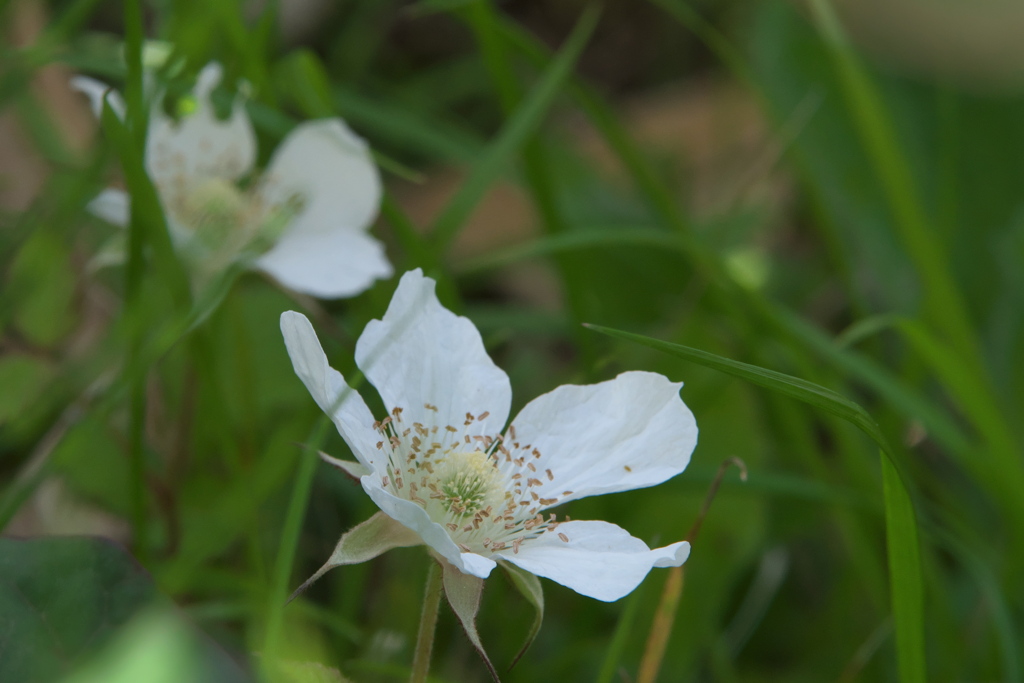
(530, 587)
(363, 542)
(463, 592)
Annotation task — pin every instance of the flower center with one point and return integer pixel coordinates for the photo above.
(487, 491)
(214, 209)
(468, 481)
(218, 222)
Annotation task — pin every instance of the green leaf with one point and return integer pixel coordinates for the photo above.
(43, 279)
(284, 671)
(22, 379)
(159, 647)
(530, 588)
(93, 463)
(61, 599)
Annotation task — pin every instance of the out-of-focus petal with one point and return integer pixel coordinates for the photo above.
(594, 558)
(327, 265)
(421, 354)
(181, 154)
(330, 170)
(96, 91)
(112, 205)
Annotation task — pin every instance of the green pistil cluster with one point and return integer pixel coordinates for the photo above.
(468, 482)
(464, 494)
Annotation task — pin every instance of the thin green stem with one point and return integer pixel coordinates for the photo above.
(428, 624)
(135, 119)
(137, 466)
(290, 537)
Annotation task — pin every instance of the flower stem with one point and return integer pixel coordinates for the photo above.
(428, 623)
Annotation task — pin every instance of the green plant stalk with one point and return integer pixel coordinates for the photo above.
(428, 624)
(135, 120)
(661, 629)
(613, 653)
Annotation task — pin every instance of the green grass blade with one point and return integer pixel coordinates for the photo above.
(134, 139)
(593, 238)
(794, 387)
(902, 397)
(901, 525)
(905, 576)
(297, 504)
(943, 300)
(516, 131)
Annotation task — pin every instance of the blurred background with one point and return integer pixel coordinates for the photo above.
(834, 191)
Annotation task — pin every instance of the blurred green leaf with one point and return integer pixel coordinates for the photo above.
(93, 464)
(42, 284)
(158, 647)
(60, 600)
(22, 379)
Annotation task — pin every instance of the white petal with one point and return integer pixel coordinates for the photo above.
(600, 560)
(111, 205)
(96, 91)
(422, 353)
(327, 265)
(330, 169)
(343, 404)
(200, 146)
(433, 534)
(626, 433)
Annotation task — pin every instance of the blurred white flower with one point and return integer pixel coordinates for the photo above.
(445, 470)
(303, 220)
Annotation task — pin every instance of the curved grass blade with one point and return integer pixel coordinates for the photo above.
(794, 387)
(906, 584)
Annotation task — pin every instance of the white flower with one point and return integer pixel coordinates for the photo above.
(302, 221)
(444, 465)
